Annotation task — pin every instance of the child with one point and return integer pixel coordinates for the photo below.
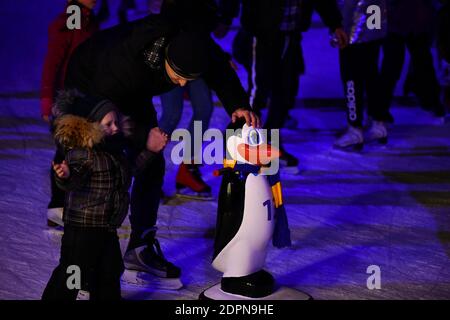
(96, 176)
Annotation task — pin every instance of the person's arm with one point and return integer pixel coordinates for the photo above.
(58, 46)
(331, 16)
(222, 78)
(79, 165)
(143, 161)
(156, 142)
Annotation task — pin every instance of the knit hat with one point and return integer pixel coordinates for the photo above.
(187, 54)
(93, 108)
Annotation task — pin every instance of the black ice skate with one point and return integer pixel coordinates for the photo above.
(146, 266)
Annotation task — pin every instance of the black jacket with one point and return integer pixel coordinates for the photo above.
(263, 16)
(112, 64)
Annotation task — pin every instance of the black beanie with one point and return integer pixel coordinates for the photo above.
(93, 108)
(187, 54)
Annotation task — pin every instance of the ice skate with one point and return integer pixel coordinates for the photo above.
(377, 133)
(189, 183)
(351, 140)
(54, 217)
(146, 266)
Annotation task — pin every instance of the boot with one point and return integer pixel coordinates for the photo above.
(189, 183)
(352, 139)
(55, 217)
(377, 132)
(149, 258)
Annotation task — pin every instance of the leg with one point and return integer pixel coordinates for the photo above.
(146, 189)
(189, 180)
(427, 89)
(391, 68)
(202, 107)
(242, 48)
(284, 92)
(351, 65)
(352, 74)
(172, 109)
(78, 248)
(143, 252)
(264, 64)
(110, 269)
(144, 202)
(372, 83)
(378, 130)
(286, 81)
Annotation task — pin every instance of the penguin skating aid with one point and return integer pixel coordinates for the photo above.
(246, 220)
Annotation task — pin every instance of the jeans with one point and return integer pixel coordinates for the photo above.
(172, 107)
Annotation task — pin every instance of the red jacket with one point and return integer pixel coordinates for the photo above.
(61, 44)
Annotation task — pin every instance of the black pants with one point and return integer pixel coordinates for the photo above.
(285, 82)
(146, 189)
(274, 63)
(426, 86)
(96, 252)
(360, 76)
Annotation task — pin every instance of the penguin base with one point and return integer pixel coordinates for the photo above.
(281, 293)
(147, 280)
(255, 285)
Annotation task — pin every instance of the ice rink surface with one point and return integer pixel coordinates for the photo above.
(386, 206)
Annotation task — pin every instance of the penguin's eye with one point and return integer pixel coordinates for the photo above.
(253, 138)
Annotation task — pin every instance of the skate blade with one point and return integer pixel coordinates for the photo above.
(53, 224)
(380, 141)
(195, 195)
(282, 293)
(147, 280)
(351, 148)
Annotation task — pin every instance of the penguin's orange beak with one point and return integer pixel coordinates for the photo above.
(258, 155)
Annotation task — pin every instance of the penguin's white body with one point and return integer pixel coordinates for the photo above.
(246, 252)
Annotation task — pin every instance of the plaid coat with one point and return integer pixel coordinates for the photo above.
(97, 188)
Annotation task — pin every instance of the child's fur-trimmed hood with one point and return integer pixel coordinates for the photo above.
(76, 132)
(72, 131)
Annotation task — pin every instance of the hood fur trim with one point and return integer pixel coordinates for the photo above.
(76, 132)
